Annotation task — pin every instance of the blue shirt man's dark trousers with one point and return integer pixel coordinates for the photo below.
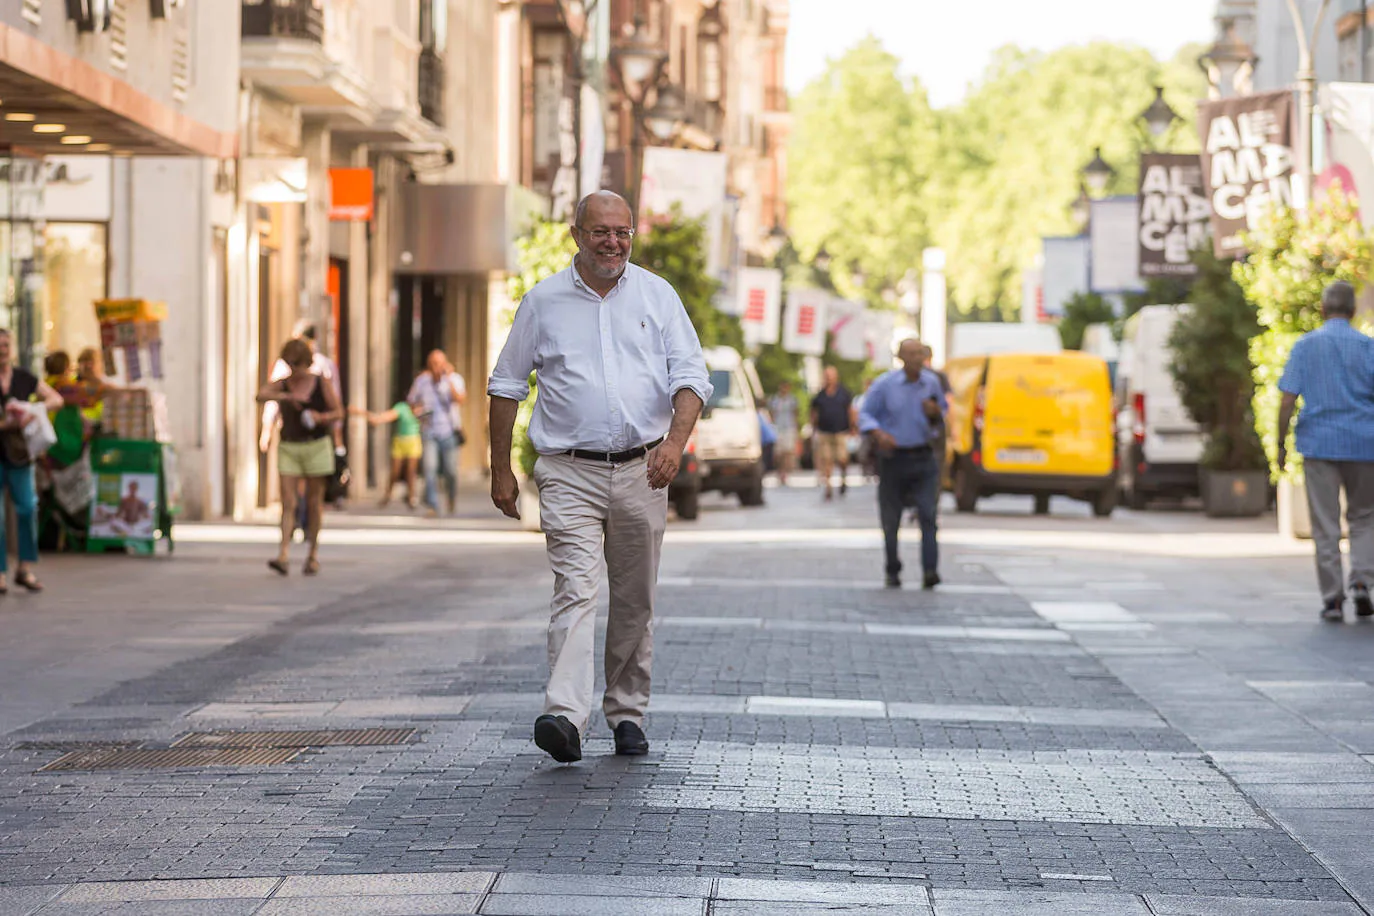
(909, 477)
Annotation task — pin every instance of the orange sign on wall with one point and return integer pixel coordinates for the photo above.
(350, 194)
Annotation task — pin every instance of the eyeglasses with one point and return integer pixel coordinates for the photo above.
(601, 235)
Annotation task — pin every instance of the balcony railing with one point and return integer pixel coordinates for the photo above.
(283, 19)
(432, 87)
(775, 99)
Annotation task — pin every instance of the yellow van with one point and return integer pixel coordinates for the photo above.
(1034, 423)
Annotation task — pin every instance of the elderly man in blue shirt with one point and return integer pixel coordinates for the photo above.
(1332, 370)
(901, 414)
(622, 380)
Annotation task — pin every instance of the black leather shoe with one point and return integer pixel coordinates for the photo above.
(557, 737)
(892, 582)
(930, 580)
(1334, 612)
(1364, 607)
(630, 740)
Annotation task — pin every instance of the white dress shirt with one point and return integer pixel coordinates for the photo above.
(607, 368)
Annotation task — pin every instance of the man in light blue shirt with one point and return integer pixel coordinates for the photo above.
(1332, 370)
(901, 415)
(622, 380)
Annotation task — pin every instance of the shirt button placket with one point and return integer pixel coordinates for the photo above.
(612, 379)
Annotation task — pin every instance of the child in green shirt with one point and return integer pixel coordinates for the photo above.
(406, 447)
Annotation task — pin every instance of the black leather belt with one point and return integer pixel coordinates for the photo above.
(912, 450)
(630, 454)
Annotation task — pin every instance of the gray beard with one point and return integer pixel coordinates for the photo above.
(601, 273)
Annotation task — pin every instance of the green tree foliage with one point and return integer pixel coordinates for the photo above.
(863, 144)
(1293, 256)
(1210, 361)
(545, 250)
(876, 175)
(1012, 154)
(1079, 312)
(674, 247)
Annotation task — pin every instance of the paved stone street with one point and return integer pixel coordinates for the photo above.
(1138, 715)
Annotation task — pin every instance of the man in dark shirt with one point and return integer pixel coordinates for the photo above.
(832, 423)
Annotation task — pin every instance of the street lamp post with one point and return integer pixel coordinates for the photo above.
(1307, 88)
(639, 63)
(1098, 173)
(1229, 63)
(1159, 117)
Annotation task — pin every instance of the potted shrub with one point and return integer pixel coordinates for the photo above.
(1294, 254)
(1210, 361)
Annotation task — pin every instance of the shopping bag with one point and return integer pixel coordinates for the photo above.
(39, 436)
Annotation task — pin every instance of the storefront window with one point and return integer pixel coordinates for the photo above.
(74, 264)
(21, 249)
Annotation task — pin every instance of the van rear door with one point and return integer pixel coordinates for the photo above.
(1048, 414)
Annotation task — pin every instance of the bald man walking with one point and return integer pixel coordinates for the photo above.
(622, 381)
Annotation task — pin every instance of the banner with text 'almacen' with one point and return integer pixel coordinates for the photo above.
(1247, 162)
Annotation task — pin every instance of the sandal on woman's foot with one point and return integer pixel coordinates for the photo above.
(28, 580)
(279, 566)
(311, 567)
(4, 589)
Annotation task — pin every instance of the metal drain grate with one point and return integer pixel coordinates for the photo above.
(344, 737)
(164, 758)
(69, 746)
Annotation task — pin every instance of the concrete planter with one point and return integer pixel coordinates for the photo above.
(1294, 520)
(529, 504)
(1235, 494)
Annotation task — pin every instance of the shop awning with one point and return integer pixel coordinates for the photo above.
(57, 89)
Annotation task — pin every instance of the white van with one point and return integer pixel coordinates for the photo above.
(986, 338)
(1159, 445)
(726, 450)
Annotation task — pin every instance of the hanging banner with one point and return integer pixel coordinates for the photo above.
(879, 325)
(1174, 214)
(803, 323)
(848, 333)
(1247, 162)
(1348, 112)
(759, 294)
(1113, 251)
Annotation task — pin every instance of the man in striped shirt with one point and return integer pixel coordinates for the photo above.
(1332, 370)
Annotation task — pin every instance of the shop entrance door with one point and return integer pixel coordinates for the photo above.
(418, 328)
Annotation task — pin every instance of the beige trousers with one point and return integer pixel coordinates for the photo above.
(594, 512)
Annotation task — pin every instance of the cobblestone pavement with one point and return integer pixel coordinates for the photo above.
(1139, 715)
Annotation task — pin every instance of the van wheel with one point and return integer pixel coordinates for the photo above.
(1104, 501)
(688, 504)
(965, 489)
(752, 495)
(1042, 504)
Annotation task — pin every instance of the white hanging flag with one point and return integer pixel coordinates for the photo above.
(803, 323)
(878, 327)
(759, 292)
(849, 336)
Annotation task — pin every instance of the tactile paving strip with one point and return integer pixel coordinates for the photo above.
(165, 758)
(345, 737)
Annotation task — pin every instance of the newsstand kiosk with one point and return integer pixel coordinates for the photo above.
(133, 465)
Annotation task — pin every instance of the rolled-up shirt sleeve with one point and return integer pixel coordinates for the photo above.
(511, 376)
(686, 363)
(1295, 372)
(870, 414)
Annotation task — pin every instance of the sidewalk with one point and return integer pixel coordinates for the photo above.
(1132, 716)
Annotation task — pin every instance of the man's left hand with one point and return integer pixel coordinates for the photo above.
(663, 464)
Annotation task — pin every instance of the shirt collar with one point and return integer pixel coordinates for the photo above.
(582, 284)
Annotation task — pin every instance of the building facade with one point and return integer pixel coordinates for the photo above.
(117, 138)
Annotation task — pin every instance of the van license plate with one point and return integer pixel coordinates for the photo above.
(1021, 456)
